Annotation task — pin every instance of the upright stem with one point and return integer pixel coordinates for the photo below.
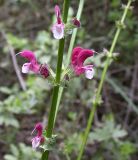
(74, 34)
(95, 104)
(72, 41)
(50, 125)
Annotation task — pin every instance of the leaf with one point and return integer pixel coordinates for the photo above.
(72, 115)
(22, 152)
(107, 131)
(127, 148)
(119, 133)
(14, 150)
(72, 143)
(120, 90)
(16, 42)
(10, 157)
(10, 120)
(5, 90)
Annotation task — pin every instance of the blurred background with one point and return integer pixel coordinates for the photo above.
(26, 24)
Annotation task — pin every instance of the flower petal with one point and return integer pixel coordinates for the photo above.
(29, 55)
(79, 70)
(39, 128)
(76, 51)
(84, 54)
(58, 31)
(58, 14)
(34, 67)
(26, 67)
(89, 73)
(36, 142)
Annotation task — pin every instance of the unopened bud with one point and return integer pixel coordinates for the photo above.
(76, 22)
(44, 70)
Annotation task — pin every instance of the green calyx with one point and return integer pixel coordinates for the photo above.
(49, 143)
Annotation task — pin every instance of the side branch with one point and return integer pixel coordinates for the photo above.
(14, 61)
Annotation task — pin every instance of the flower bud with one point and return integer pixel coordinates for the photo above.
(44, 70)
(76, 22)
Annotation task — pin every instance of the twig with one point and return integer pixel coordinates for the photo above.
(14, 61)
(132, 92)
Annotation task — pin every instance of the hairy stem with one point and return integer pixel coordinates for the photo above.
(95, 104)
(51, 119)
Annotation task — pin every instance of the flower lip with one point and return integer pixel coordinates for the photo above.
(26, 67)
(89, 73)
(36, 142)
(58, 30)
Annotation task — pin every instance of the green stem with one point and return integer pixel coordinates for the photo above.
(51, 119)
(95, 104)
(72, 41)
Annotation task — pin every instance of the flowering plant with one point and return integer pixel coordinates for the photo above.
(77, 64)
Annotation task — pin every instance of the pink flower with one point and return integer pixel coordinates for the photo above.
(58, 27)
(76, 22)
(79, 55)
(38, 139)
(33, 65)
(38, 128)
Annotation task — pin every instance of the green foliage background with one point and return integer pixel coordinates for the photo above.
(27, 25)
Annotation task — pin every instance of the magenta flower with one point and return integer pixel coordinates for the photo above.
(79, 55)
(33, 65)
(76, 22)
(58, 27)
(38, 139)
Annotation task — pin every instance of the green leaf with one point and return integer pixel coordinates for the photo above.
(118, 132)
(16, 42)
(127, 148)
(5, 90)
(107, 131)
(14, 150)
(9, 157)
(119, 89)
(22, 152)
